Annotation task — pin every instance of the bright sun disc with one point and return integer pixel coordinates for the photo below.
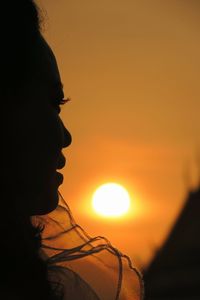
(111, 200)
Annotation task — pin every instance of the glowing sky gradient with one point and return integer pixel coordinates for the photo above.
(132, 69)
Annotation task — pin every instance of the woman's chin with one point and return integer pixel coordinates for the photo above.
(47, 204)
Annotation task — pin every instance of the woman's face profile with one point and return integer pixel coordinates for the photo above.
(37, 137)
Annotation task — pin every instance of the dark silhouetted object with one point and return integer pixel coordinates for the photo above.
(175, 271)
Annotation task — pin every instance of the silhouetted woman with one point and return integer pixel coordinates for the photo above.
(59, 264)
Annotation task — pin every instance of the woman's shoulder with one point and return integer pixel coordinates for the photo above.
(70, 284)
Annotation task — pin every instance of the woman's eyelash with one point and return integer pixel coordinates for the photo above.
(59, 102)
(64, 101)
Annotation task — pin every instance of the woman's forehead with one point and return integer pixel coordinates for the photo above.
(48, 63)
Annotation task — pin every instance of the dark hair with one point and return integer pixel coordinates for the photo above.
(22, 271)
(18, 37)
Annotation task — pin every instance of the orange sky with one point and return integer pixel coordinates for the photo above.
(132, 69)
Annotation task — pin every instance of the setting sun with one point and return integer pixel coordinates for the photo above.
(111, 200)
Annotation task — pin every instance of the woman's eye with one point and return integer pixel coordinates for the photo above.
(60, 102)
(64, 101)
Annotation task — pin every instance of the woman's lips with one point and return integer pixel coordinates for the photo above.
(59, 178)
(61, 162)
(60, 165)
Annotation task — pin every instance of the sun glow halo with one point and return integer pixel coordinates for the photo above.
(111, 200)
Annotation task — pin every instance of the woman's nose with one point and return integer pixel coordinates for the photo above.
(67, 138)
